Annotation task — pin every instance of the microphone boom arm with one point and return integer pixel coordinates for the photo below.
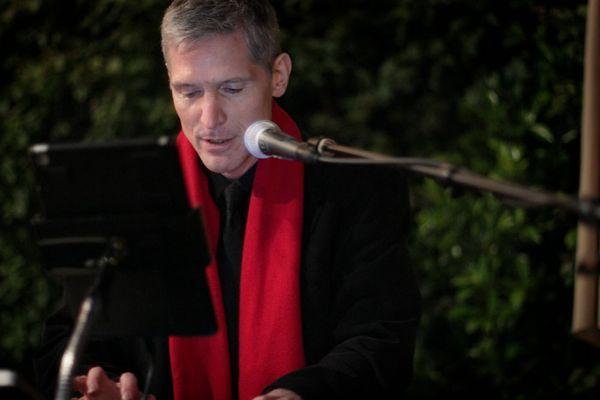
(586, 209)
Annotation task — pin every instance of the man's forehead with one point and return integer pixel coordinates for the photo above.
(208, 64)
(192, 72)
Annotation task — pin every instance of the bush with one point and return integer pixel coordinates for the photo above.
(492, 86)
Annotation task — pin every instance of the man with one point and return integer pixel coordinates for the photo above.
(310, 280)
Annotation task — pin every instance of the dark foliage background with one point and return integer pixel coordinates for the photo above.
(492, 86)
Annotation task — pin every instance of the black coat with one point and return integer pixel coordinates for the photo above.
(360, 302)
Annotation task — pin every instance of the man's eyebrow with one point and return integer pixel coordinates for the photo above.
(236, 80)
(191, 86)
(184, 86)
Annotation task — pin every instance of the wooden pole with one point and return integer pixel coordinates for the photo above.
(586, 320)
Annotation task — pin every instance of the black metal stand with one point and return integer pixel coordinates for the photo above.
(116, 230)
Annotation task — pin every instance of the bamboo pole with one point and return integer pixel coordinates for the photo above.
(586, 320)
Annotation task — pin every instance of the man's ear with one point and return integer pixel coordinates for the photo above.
(280, 76)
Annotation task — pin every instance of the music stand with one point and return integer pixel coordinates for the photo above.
(117, 231)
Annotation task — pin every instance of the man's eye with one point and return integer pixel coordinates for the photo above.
(231, 90)
(190, 95)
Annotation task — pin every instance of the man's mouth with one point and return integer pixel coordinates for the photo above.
(217, 141)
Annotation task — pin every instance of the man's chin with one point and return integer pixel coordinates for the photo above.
(217, 166)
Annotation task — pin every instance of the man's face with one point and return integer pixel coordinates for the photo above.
(218, 91)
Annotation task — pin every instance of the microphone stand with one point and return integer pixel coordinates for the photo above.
(585, 318)
(90, 307)
(588, 210)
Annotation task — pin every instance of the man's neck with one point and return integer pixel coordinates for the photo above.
(246, 165)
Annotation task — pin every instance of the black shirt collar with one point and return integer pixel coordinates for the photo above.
(218, 183)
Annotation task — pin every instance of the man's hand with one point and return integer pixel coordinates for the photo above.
(279, 394)
(97, 386)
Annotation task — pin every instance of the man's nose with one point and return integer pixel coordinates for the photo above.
(213, 114)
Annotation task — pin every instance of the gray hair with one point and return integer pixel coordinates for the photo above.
(187, 21)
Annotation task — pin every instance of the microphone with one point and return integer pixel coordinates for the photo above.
(265, 139)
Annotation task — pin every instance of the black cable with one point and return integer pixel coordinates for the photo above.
(398, 161)
(149, 371)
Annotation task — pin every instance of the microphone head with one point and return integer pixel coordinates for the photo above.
(253, 134)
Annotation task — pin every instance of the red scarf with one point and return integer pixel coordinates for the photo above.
(270, 331)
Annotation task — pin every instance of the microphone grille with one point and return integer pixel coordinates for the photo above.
(253, 134)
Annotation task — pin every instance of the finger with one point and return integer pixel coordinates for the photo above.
(129, 386)
(95, 379)
(79, 384)
(151, 397)
(99, 385)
